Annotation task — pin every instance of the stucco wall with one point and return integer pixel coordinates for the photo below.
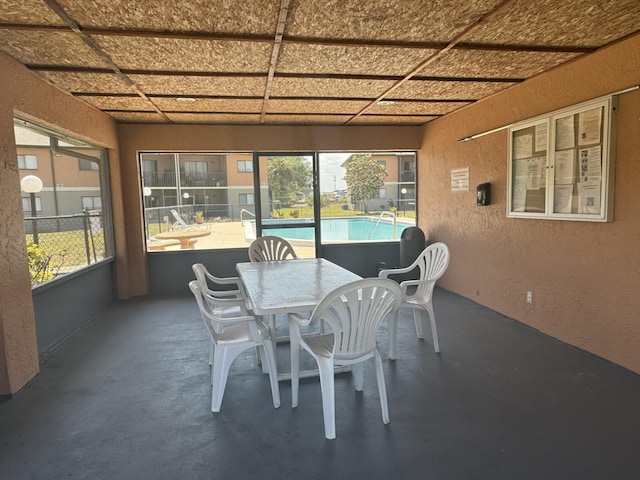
(135, 138)
(584, 276)
(23, 93)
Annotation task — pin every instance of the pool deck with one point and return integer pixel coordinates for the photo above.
(231, 235)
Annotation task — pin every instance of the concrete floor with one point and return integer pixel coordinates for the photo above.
(128, 398)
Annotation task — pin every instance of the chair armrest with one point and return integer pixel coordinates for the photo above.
(413, 283)
(227, 293)
(395, 271)
(222, 280)
(299, 319)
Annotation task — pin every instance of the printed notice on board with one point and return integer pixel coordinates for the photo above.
(541, 137)
(460, 180)
(522, 146)
(590, 165)
(565, 133)
(589, 124)
(565, 167)
(589, 197)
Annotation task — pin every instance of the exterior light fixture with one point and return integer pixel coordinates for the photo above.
(186, 100)
(32, 185)
(385, 103)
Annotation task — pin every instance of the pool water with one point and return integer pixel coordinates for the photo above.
(344, 229)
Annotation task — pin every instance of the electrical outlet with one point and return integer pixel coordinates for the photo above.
(529, 297)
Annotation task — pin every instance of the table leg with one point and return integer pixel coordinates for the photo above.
(272, 335)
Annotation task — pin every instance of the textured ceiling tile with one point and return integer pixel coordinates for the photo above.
(445, 90)
(493, 64)
(137, 117)
(88, 82)
(200, 85)
(315, 106)
(280, 119)
(216, 118)
(329, 87)
(416, 108)
(48, 48)
(209, 105)
(402, 20)
(144, 53)
(354, 60)
(587, 23)
(219, 16)
(119, 103)
(34, 12)
(391, 120)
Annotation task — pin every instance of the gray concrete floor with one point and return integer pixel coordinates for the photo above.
(128, 398)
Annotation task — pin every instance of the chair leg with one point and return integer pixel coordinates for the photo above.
(270, 359)
(327, 388)
(295, 367)
(382, 389)
(357, 370)
(417, 318)
(222, 360)
(434, 331)
(393, 335)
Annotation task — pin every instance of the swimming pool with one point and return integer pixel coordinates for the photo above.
(345, 229)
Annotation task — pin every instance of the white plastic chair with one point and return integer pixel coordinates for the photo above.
(354, 312)
(432, 263)
(206, 280)
(232, 330)
(269, 248)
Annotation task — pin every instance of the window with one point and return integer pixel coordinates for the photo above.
(84, 164)
(61, 229)
(245, 166)
(382, 193)
(245, 199)
(91, 203)
(27, 162)
(26, 205)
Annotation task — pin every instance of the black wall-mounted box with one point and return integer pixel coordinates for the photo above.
(484, 194)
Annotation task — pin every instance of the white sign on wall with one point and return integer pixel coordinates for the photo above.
(460, 180)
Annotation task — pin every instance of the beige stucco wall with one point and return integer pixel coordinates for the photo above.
(172, 138)
(23, 93)
(584, 276)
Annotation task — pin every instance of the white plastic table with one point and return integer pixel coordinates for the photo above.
(289, 286)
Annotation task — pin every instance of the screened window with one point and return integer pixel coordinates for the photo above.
(73, 227)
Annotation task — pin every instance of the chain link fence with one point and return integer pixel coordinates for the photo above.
(58, 245)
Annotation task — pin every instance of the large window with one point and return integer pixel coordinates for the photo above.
(67, 225)
(212, 191)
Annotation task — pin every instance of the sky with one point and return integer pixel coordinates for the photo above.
(331, 174)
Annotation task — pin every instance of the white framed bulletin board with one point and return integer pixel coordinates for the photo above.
(561, 165)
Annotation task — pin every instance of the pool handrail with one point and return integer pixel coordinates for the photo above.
(382, 214)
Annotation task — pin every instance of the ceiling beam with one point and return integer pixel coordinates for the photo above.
(275, 53)
(330, 76)
(55, 6)
(432, 58)
(341, 42)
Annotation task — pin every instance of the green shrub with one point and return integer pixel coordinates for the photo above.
(40, 266)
